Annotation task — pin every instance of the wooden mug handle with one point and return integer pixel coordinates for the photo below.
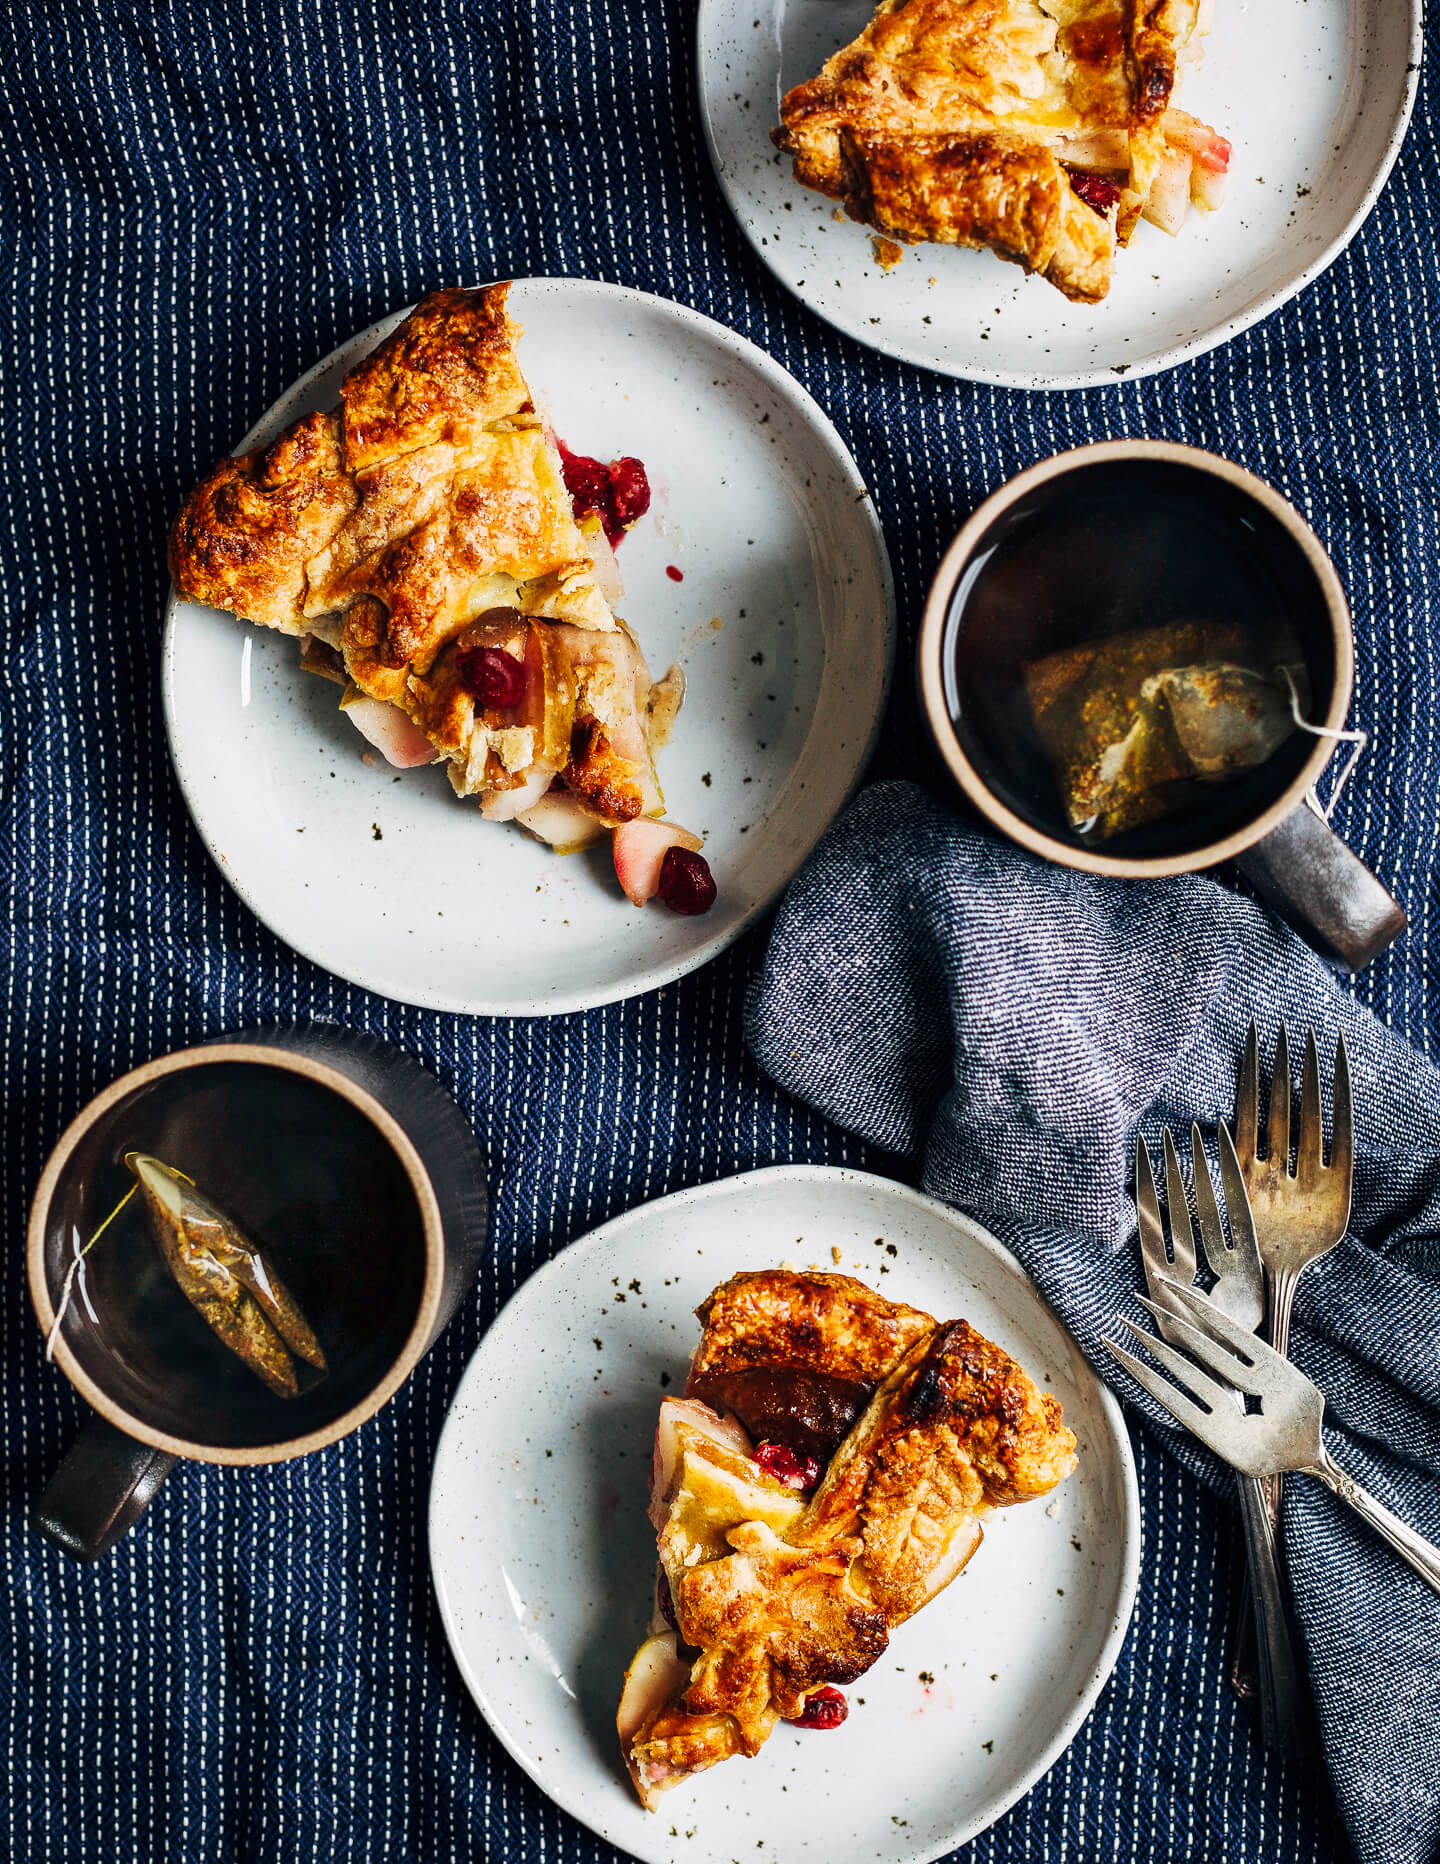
(1327, 893)
(100, 1491)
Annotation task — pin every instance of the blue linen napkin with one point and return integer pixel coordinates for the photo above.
(944, 994)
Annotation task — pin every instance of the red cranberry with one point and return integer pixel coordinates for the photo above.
(674, 574)
(796, 1472)
(497, 679)
(1095, 190)
(586, 480)
(630, 489)
(686, 883)
(824, 1708)
(617, 494)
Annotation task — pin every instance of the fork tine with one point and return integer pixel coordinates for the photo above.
(1164, 1393)
(1147, 1209)
(1247, 1098)
(1277, 1135)
(1182, 1237)
(1342, 1121)
(1278, 1374)
(1211, 1392)
(1207, 1211)
(1245, 1251)
(1310, 1145)
(1219, 1359)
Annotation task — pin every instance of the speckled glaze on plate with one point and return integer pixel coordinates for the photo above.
(543, 1560)
(783, 622)
(1314, 94)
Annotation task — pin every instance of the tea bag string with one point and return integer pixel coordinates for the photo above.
(77, 1267)
(1358, 739)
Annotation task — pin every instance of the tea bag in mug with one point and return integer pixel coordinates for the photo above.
(226, 1278)
(1133, 722)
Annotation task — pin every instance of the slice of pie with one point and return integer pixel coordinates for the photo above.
(1042, 129)
(824, 1476)
(422, 542)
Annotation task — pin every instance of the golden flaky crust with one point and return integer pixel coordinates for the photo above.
(958, 121)
(825, 1323)
(992, 190)
(778, 1606)
(425, 516)
(445, 375)
(247, 532)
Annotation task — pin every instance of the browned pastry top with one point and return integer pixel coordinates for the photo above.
(445, 375)
(244, 536)
(824, 1322)
(777, 1606)
(426, 514)
(949, 120)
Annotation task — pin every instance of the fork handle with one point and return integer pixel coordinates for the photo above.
(1281, 1704)
(1281, 1291)
(1417, 1552)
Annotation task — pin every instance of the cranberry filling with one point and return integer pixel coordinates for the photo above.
(1094, 190)
(824, 1708)
(686, 883)
(796, 1472)
(617, 494)
(496, 679)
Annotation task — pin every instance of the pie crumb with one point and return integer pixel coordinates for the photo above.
(888, 253)
(835, 1255)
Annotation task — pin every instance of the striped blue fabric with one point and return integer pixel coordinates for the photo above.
(199, 201)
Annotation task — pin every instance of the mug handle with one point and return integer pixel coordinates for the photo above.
(100, 1491)
(1327, 893)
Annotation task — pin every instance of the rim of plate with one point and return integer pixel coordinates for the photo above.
(565, 1003)
(555, 1270)
(1100, 376)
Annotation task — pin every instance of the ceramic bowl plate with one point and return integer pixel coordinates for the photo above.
(543, 1560)
(783, 623)
(1314, 94)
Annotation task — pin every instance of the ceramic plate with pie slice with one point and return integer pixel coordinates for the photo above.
(760, 570)
(1314, 96)
(544, 1562)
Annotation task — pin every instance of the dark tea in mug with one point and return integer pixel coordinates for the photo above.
(1119, 653)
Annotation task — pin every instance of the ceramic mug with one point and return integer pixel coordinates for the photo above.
(1266, 826)
(347, 1158)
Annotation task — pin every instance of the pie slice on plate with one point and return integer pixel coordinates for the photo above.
(826, 1473)
(440, 560)
(1041, 129)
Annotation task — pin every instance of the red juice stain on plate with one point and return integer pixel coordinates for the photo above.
(617, 494)
(674, 574)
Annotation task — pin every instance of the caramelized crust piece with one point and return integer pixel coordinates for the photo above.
(431, 499)
(957, 121)
(246, 533)
(774, 1621)
(983, 190)
(778, 1599)
(823, 1322)
(446, 374)
(957, 1429)
(796, 1357)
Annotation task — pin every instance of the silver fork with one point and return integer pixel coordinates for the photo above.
(1299, 1216)
(1239, 1291)
(1284, 1437)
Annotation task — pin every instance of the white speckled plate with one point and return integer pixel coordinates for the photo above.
(783, 623)
(1314, 94)
(543, 1560)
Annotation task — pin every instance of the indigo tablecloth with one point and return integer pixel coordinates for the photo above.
(198, 202)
